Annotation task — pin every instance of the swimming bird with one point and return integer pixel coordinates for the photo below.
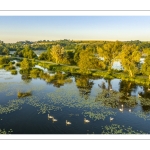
(50, 116)
(67, 122)
(85, 120)
(121, 109)
(111, 118)
(122, 105)
(54, 119)
(148, 89)
(129, 110)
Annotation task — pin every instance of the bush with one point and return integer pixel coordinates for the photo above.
(4, 60)
(14, 72)
(10, 67)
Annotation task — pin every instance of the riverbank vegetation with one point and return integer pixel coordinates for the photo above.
(83, 57)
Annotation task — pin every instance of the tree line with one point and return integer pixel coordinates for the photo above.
(102, 57)
(89, 55)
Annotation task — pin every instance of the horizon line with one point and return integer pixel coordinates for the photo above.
(75, 40)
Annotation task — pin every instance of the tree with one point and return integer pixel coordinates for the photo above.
(48, 52)
(5, 51)
(146, 51)
(25, 64)
(88, 61)
(130, 57)
(27, 53)
(109, 52)
(4, 60)
(78, 49)
(146, 67)
(43, 56)
(57, 53)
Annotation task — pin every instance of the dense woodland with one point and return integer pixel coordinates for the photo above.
(87, 55)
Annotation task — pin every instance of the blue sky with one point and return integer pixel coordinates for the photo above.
(33, 28)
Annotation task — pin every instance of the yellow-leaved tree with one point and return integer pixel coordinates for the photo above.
(88, 61)
(57, 53)
(146, 67)
(109, 52)
(130, 58)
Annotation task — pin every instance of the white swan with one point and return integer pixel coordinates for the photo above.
(50, 116)
(67, 122)
(85, 120)
(129, 110)
(54, 119)
(111, 118)
(122, 105)
(148, 89)
(121, 109)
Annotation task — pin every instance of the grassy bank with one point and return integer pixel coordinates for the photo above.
(139, 79)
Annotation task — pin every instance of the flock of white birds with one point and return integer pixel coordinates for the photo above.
(67, 122)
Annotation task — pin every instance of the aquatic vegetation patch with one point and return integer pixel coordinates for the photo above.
(144, 115)
(118, 129)
(113, 99)
(3, 131)
(71, 99)
(11, 106)
(3, 87)
(97, 115)
(10, 93)
(144, 101)
(24, 94)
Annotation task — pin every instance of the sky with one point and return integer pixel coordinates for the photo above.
(34, 28)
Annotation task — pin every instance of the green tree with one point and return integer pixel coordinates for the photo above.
(5, 51)
(109, 52)
(57, 53)
(4, 60)
(88, 61)
(25, 64)
(146, 67)
(43, 56)
(27, 53)
(78, 49)
(130, 57)
(48, 53)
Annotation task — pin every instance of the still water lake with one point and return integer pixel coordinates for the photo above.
(96, 99)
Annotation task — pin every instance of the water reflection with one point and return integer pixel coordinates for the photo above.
(112, 101)
(57, 79)
(84, 84)
(26, 78)
(110, 98)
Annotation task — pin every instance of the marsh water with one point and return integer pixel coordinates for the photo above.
(111, 106)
